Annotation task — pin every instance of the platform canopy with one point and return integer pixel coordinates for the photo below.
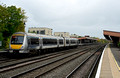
(112, 35)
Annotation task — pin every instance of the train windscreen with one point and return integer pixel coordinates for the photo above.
(17, 39)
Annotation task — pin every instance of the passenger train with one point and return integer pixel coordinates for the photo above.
(21, 42)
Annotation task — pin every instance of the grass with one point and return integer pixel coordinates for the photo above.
(2, 49)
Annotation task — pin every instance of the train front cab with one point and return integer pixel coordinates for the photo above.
(17, 43)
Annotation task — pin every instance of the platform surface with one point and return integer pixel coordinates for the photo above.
(109, 67)
(116, 53)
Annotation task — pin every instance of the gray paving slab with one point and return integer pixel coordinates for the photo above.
(116, 53)
(108, 67)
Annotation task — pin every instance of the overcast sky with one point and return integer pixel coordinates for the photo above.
(81, 17)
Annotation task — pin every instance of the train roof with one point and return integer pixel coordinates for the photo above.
(40, 35)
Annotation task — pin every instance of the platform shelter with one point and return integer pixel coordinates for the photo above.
(112, 36)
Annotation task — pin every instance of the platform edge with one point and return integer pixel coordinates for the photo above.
(100, 63)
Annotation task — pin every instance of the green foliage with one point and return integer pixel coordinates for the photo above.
(102, 41)
(32, 32)
(79, 36)
(118, 44)
(7, 42)
(1, 37)
(12, 20)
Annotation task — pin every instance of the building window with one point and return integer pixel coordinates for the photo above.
(61, 35)
(42, 32)
(33, 31)
(37, 32)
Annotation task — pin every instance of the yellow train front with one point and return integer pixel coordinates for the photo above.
(18, 43)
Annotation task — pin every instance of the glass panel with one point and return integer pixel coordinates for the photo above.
(17, 39)
(60, 41)
(49, 41)
(34, 41)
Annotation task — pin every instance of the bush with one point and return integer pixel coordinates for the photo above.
(7, 43)
(1, 37)
(118, 44)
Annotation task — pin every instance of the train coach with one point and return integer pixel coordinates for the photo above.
(21, 42)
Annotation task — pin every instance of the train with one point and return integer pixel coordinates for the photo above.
(21, 42)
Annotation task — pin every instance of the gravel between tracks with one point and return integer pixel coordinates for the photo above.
(66, 67)
(49, 67)
(16, 61)
(84, 70)
(15, 71)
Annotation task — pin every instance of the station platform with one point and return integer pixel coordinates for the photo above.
(109, 65)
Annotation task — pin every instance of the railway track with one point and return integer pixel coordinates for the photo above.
(6, 62)
(85, 69)
(26, 68)
(4, 58)
(52, 65)
(63, 70)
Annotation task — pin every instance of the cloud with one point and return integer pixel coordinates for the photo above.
(74, 16)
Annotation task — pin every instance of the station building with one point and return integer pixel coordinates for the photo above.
(74, 36)
(40, 30)
(62, 34)
(86, 40)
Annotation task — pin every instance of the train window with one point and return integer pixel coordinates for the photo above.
(34, 41)
(73, 42)
(29, 41)
(67, 41)
(47, 41)
(17, 39)
(54, 41)
(60, 41)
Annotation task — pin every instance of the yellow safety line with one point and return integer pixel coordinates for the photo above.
(115, 60)
(117, 64)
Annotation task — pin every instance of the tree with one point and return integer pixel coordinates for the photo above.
(1, 37)
(3, 18)
(12, 20)
(79, 36)
(118, 44)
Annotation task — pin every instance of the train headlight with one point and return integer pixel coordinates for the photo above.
(11, 51)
